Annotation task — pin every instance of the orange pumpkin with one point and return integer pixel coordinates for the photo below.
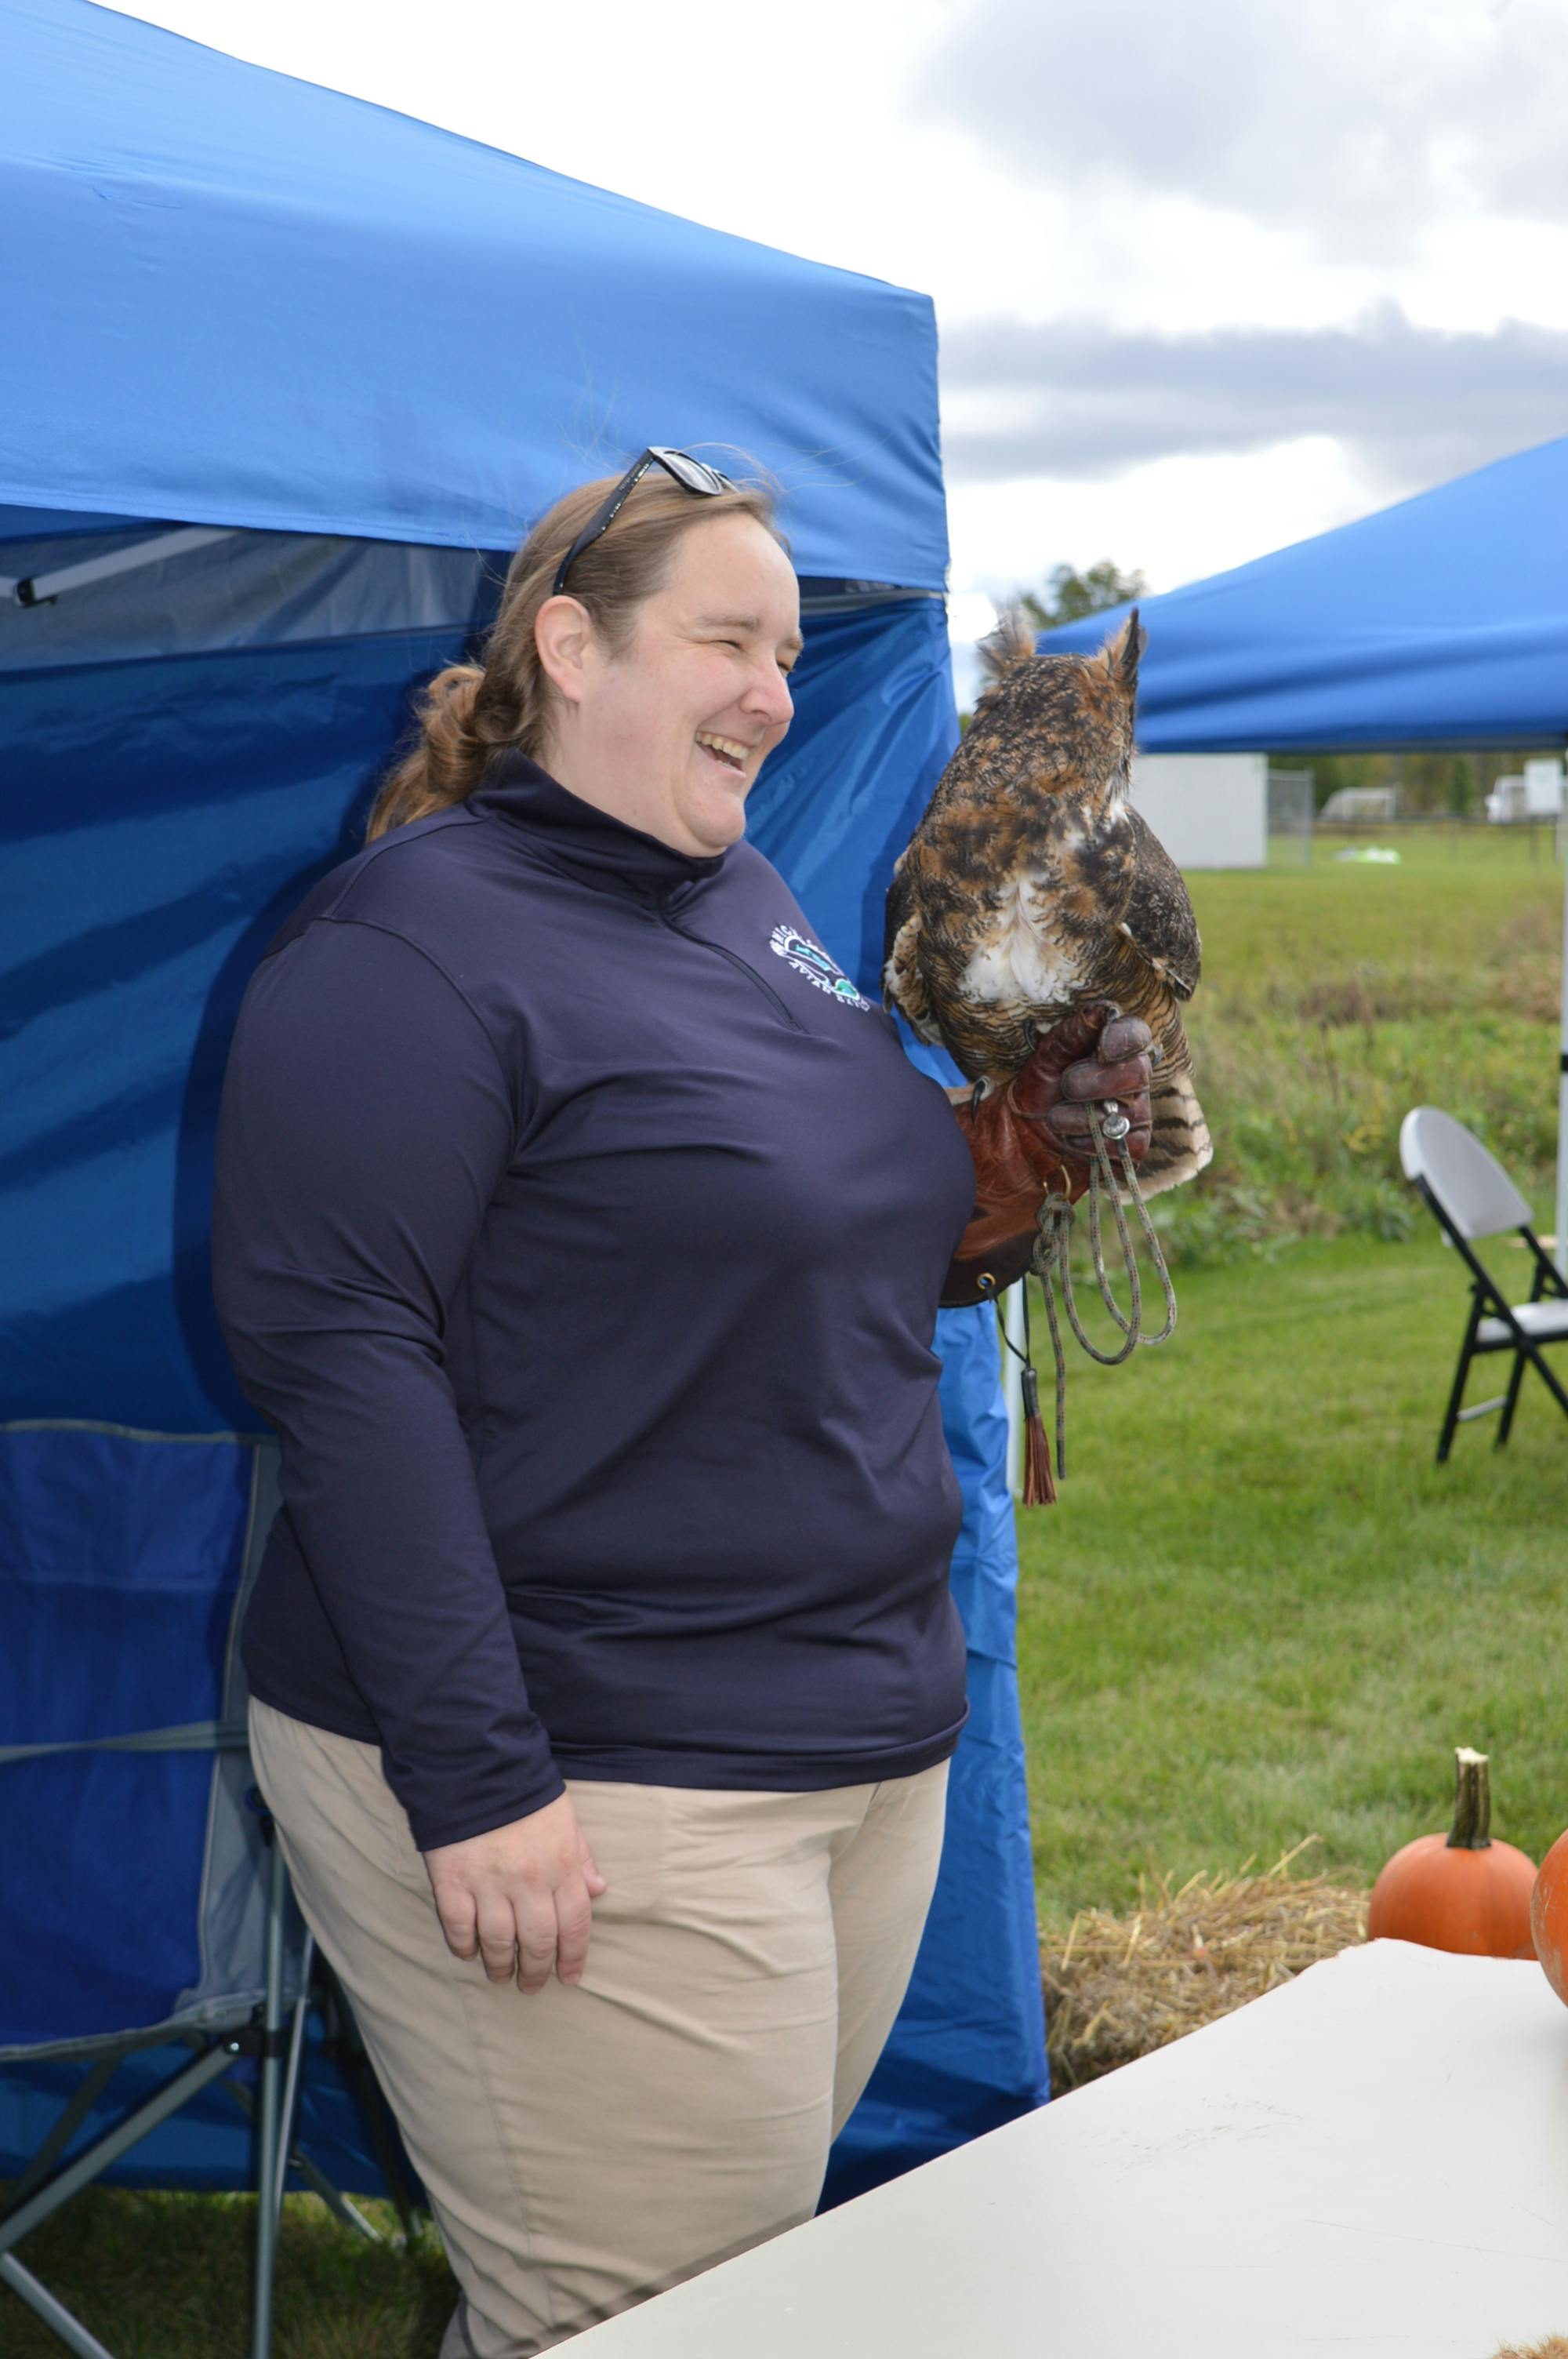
(1549, 1917)
(1459, 1891)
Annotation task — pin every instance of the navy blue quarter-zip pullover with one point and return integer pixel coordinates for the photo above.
(579, 1227)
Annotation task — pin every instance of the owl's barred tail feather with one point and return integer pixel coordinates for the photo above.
(1180, 1145)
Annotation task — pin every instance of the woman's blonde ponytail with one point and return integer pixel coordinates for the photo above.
(449, 757)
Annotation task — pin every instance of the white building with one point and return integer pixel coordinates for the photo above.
(1209, 810)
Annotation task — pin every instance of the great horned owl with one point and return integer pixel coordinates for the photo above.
(1031, 886)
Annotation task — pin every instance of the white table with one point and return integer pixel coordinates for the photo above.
(1372, 2160)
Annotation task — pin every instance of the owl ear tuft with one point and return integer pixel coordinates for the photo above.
(1012, 643)
(1121, 651)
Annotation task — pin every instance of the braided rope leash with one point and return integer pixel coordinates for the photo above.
(1051, 1262)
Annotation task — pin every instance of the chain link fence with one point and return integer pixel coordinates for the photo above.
(1291, 804)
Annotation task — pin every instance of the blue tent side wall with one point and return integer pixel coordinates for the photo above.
(161, 822)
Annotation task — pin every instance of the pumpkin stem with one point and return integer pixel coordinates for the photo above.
(1472, 1802)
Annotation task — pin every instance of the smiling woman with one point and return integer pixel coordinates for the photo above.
(581, 1228)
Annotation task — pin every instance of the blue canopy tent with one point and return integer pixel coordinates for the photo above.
(1442, 620)
(290, 376)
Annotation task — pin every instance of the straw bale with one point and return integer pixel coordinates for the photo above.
(1118, 1987)
(1554, 2347)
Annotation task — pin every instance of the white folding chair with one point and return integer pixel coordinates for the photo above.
(1472, 1196)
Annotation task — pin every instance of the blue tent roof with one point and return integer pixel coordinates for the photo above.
(320, 316)
(1444, 619)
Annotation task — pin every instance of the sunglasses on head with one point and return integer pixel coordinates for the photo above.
(692, 474)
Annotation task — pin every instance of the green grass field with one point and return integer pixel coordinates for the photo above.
(1336, 996)
(168, 2277)
(1260, 1612)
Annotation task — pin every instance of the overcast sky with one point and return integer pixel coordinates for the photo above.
(1210, 275)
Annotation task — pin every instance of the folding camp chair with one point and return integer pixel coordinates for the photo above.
(193, 1970)
(1472, 1196)
(260, 2031)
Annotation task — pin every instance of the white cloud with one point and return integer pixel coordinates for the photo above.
(1077, 397)
(1364, 122)
(1174, 520)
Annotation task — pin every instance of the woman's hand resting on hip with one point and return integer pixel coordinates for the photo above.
(519, 1896)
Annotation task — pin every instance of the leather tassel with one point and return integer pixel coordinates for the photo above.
(1039, 1487)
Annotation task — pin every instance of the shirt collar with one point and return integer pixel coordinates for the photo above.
(570, 834)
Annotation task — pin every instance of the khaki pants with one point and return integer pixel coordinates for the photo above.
(583, 2148)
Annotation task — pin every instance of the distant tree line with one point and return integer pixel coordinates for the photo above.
(1069, 595)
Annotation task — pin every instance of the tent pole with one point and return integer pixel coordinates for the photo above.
(1012, 1384)
(41, 589)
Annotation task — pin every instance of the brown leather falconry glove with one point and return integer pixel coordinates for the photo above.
(1032, 1138)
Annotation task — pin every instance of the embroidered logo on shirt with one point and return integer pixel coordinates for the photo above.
(809, 959)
